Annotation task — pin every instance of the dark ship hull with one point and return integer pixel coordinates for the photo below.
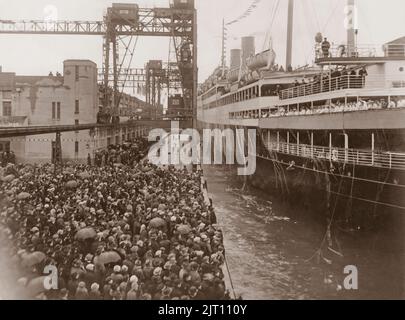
(351, 197)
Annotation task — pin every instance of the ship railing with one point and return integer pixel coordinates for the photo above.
(360, 51)
(390, 160)
(344, 51)
(329, 84)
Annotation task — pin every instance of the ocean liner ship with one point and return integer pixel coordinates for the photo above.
(328, 136)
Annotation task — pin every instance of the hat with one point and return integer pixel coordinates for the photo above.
(90, 267)
(167, 291)
(124, 269)
(133, 279)
(117, 269)
(134, 286)
(95, 287)
(192, 290)
(157, 272)
(89, 257)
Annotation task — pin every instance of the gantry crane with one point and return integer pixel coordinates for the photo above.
(178, 21)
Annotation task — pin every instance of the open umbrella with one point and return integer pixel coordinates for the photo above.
(9, 178)
(84, 175)
(23, 196)
(146, 169)
(208, 277)
(68, 171)
(27, 175)
(184, 229)
(32, 259)
(72, 184)
(86, 233)
(107, 257)
(130, 184)
(157, 223)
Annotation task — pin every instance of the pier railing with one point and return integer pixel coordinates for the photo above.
(329, 84)
(390, 160)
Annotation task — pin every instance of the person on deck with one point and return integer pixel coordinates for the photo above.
(325, 48)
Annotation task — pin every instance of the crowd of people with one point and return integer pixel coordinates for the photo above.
(118, 229)
(129, 154)
(337, 107)
(332, 80)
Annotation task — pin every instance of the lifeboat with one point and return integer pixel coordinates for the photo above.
(261, 60)
(218, 72)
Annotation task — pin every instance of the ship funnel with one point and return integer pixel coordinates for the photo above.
(248, 48)
(235, 58)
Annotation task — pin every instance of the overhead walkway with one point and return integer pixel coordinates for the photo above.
(7, 132)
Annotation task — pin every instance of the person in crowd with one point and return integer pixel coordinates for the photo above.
(345, 78)
(363, 74)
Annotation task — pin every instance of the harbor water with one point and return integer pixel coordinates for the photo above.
(271, 248)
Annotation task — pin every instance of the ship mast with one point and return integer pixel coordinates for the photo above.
(290, 34)
(351, 28)
(223, 58)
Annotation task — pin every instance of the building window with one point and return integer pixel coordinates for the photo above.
(55, 110)
(77, 108)
(77, 73)
(58, 111)
(6, 109)
(77, 147)
(5, 146)
(7, 95)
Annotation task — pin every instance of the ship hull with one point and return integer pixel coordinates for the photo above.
(352, 197)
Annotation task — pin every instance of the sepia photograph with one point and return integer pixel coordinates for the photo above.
(225, 152)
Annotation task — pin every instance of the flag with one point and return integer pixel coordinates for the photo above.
(246, 13)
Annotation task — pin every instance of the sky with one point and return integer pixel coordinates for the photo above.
(378, 22)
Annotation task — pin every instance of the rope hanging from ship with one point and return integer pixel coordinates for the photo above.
(343, 195)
